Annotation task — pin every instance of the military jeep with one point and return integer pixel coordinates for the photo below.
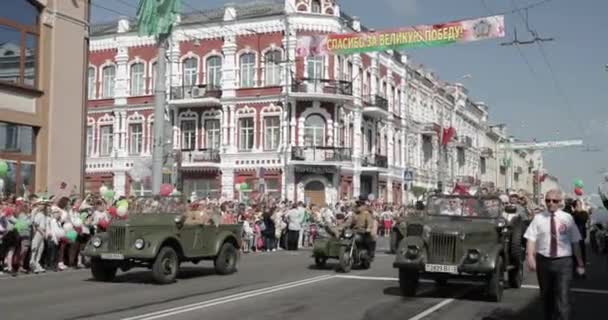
(157, 235)
(462, 237)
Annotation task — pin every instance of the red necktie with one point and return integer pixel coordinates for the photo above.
(553, 244)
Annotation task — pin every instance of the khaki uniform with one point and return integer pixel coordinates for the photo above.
(362, 220)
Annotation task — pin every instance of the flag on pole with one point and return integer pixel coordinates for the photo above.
(156, 17)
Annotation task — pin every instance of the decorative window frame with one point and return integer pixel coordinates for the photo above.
(329, 123)
(180, 67)
(107, 63)
(130, 64)
(272, 47)
(271, 110)
(210, 115)
(188, 115)
(95, 82)
(106, 120)
(149, 136)
(93, 124)
(135, 118)
(150, 83)
(256, 59)
(246, 112)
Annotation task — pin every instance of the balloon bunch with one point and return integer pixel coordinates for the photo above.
(578, 187)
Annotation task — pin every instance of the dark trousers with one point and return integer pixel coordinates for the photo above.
(292, 239)
(51, 255)
(554, 278)
(269, 243)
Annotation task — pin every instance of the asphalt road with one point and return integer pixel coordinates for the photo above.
(279, 285)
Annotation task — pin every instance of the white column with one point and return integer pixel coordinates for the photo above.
(292, 123)
(174, 79)
(228, 183)
(356, 184)
(390, 148)
(291, 185)
(389, 190)
(121, 83)
(232, 147)
(374, 85)
(229, 67)
(124, 133)
(357, 152)
(225, 125)
(120, 181)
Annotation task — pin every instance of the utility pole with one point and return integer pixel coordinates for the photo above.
(159, 115)
(286, 106)
(440, 151)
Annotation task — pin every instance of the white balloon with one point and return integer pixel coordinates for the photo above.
(103, 189)
(68, 227)
(77, 223)
(122, 211)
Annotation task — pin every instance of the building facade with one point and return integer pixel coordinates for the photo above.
(43, 54)
(245, 109)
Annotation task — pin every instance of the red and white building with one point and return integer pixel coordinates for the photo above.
(351, 124)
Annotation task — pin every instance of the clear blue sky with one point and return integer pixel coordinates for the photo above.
(525, 98)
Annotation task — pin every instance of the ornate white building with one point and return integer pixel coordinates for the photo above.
(336, 127)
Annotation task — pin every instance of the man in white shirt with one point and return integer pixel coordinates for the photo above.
(552, 239)
(38, 237)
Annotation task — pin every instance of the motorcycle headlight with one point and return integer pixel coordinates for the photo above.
(96, 242)
(139, 244)
(348, 234)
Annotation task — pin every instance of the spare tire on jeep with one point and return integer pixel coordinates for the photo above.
(516, 248)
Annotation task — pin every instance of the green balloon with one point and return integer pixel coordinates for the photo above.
(579, 183)
(122, 203)
(109, 194)
(71, 235)
(84, 216)
(3, 168)
(244, 186)
(21, 225)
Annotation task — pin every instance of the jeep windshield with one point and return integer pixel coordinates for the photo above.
(464, 206)
(158, 205)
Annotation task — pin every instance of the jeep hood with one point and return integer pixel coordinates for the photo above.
(147, 220)
(461, 226)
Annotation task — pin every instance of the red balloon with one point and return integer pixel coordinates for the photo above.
(578, 191)
(166, 190)
(112, 212)
(103, 224)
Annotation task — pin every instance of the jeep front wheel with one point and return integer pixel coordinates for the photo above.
(166, 266)
(495, 282)
(225, 262)
(516, 276)
(102, 271)
(408, 282)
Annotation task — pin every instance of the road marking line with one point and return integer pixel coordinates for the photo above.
(580, 290)
(377, 278)
(432, 309)
(227, 299)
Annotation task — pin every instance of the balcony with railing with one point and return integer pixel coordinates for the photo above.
(321, 154)
(325, 89)
(198, 157)
(197, 95)
(375, 160)
(375, 106)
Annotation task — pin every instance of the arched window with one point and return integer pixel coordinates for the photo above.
(214, 72)
(315, 6)
(247, 66)
(272, 72)
(137, 79)
(190, 69)
(314, 131)
(107, 87)
(91, 83)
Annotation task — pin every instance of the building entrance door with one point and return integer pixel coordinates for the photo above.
(314, 192)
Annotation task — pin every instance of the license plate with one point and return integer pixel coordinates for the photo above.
(441, 268)
(112, 256)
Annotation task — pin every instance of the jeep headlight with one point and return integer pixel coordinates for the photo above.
(139, 244)
(412, 252)
(473, 255)
(96, 242)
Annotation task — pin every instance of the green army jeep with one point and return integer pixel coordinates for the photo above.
(156, 235)
(462, 237)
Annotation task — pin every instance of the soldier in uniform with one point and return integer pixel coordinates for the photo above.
(362, 221)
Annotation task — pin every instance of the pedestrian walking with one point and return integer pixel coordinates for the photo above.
(295, 217)
(552, 238)
(39, 226)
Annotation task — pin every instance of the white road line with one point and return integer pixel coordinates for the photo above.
(432, 309)
(580, 290)
(376, 278)
(227, 299)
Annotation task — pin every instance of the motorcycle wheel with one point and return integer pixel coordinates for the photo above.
(320, 262)
(346, 261)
